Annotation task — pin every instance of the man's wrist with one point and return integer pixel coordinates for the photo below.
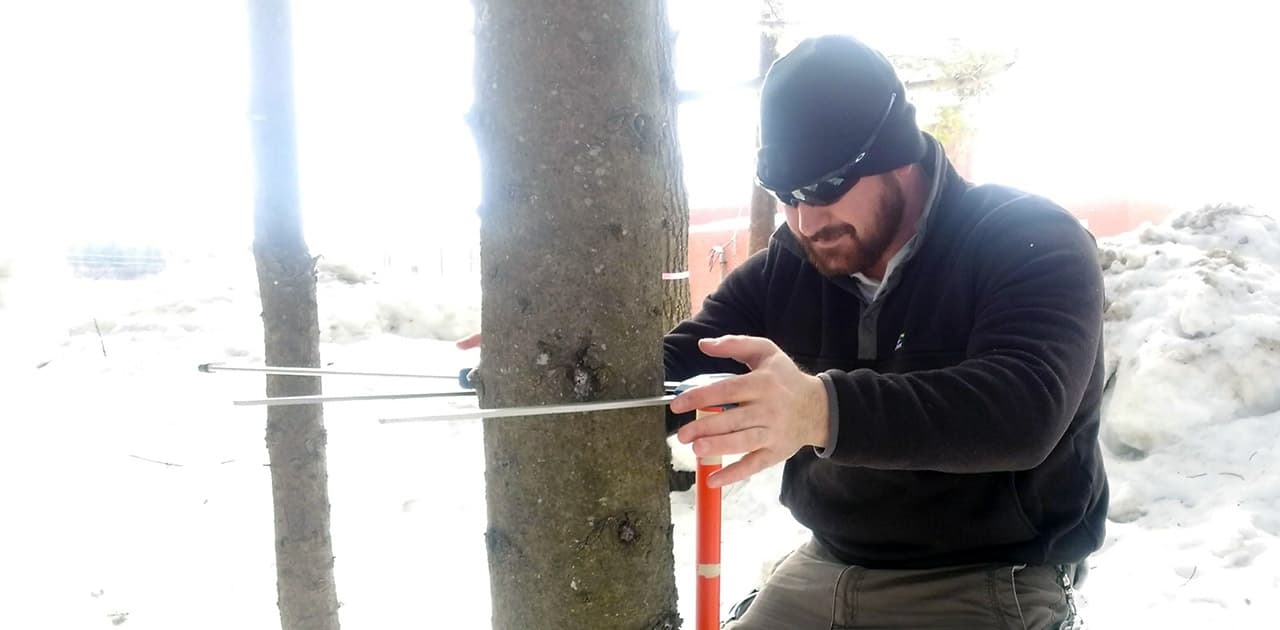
(832, 416)
(819, 423)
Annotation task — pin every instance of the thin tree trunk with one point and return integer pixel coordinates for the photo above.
(575, 132)
(764, 207)
(307, 596)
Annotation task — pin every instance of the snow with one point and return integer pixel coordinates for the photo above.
(136, 495)
(1191, 424)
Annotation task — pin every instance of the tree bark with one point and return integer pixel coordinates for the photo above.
(676, 301)
(764, 207)
(295, 438)
(574, 122)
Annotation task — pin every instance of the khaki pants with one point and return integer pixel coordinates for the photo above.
(811, 590)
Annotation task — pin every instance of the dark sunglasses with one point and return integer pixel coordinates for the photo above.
(829, 188)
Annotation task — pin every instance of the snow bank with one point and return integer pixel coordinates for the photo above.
(1193, 325)
(34, 293)
(217, 292)
(404, 304)
(1190, 423)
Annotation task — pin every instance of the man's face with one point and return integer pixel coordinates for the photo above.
(852, 234)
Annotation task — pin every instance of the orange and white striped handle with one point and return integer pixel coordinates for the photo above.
(708, 556)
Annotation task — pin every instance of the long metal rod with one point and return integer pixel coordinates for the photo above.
(537, 410)
(295, 371)
(285, 401)
(287, 371)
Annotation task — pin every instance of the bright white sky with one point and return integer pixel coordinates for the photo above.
(126, 120)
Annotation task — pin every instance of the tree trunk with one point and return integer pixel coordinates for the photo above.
(287, 283)
(575, 130)
(764, 207)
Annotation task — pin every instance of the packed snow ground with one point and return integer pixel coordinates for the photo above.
(136, 496)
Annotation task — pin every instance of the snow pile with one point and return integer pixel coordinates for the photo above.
(33, 294)
(358, 300)
(1193, 324)
(1190, 423)
(403, 304)
(44, 309)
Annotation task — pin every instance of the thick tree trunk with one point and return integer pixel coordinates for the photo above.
(575, 133)
(287, 283)
(764, 207)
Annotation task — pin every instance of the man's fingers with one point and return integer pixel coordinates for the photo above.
(750, 351)
(721, 423)
(753, 463)
(743, 441)
(737, 390)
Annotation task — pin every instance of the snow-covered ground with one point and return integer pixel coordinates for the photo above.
(135, 494)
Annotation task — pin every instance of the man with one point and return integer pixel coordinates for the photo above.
(924, 354)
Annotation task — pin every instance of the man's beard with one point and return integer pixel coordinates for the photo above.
(862, 250)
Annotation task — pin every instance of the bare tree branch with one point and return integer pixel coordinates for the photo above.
(955, 81)
(155, 461)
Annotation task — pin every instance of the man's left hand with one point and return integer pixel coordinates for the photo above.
(780, 409)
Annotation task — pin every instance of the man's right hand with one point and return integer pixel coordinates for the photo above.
(467, 343)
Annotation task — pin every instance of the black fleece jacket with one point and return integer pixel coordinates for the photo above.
(965, 397)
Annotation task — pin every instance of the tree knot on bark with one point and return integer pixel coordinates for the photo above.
(589, 372)
(586, 375)
(627, 531)
(636, 126)
(500, 544)
(625, 527)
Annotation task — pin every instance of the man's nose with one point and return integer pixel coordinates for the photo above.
(811, 219)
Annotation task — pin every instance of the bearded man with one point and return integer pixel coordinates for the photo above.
(924, 357)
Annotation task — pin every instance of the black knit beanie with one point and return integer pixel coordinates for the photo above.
(819, 105)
